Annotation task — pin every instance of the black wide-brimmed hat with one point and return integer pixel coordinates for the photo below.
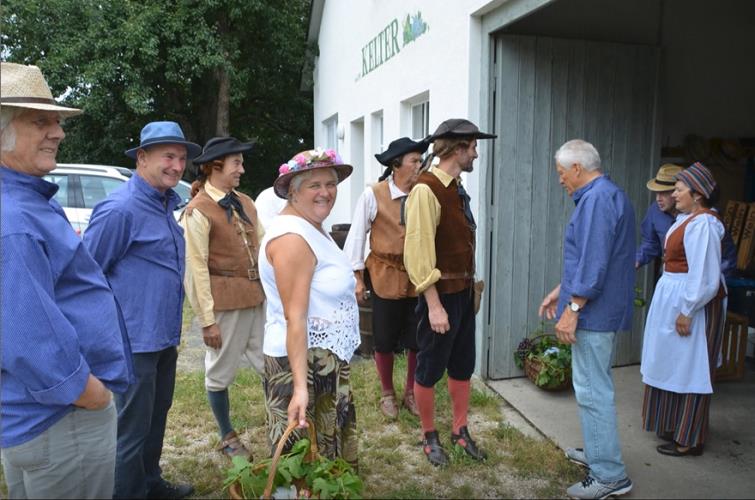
(399, 148)
(220, 147)
(458, 127)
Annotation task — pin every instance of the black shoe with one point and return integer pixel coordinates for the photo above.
(434, 452)
(164, 489)
(672, 449)
(464, 440)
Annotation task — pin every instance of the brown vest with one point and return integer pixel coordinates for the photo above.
(232, 259)
(386, 260)
(454, 238)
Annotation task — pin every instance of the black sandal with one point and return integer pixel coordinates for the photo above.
(434, 452)
(672, 450)
(466, 442)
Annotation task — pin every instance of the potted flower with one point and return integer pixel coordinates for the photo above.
(546, 361)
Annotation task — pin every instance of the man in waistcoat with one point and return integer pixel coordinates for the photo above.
(222, 280)
(439, 255)
(394, 298)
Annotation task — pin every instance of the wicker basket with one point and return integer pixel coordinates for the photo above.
(532, 369)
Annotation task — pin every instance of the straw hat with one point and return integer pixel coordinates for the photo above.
(664, 180)
(25, 87)
(306, 161)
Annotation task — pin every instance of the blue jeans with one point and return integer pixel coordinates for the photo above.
(142, 414)
(593, 387)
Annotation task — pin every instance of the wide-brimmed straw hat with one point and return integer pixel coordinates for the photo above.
(155, 133)
(25, 87)
(664, 180)
(220, 147)
(305, 162)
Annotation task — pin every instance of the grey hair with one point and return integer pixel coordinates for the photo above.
(7, 130)
(578, 151)
(297, 181)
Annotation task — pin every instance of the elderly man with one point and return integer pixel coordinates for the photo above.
(222, 278)
(439, 255)
(394, 300)
(594, 301)
(62, 345)
(141, 249)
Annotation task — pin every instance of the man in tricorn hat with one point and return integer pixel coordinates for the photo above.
(439, 257)
(63, 347)
(394, 298)
(222, 279)
(140, 247)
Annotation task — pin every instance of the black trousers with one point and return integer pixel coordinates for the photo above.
(394, 323)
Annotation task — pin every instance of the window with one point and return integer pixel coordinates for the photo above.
(420, 120)
(61, 196)
(331, 131)
(95, 188)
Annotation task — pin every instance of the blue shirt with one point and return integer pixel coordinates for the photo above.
(59, 319)
(599, 253)
(134, 237)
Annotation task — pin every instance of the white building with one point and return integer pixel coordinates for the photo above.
(635, 77)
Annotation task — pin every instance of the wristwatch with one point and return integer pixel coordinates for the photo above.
(574, 307)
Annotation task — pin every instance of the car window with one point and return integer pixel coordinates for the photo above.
(95, 188)
(62, 181)
(184, 191)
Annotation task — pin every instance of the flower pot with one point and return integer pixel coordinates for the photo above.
(532, 368)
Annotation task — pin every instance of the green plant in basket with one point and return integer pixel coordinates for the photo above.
(545, 360)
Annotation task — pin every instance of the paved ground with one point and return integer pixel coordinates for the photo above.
(725, 470)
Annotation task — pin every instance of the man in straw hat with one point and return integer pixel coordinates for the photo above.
(134, 237)
(222, 278)
(63, 349)
(439, 257)
(378, 212)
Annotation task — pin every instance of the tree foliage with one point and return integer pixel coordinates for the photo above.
(128, 62)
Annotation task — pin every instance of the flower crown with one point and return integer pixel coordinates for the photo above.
(310, 159)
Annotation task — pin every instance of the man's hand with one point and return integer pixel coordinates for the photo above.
(361, 291)
(212, 337)
(95, 396)
(438, 319)
(567, 326)
(548, 306)
(682, 325)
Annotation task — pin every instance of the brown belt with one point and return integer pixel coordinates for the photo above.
(251, 274)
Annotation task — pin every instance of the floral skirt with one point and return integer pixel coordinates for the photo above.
(331, 404)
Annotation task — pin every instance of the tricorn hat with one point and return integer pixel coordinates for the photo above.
(400, 147)
(25, 87)
(155, 133)
(220, 147)
(457, 128)
(306, 161)
(664, 180)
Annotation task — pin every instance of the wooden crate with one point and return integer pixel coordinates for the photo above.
(733, 348)
(365, 329)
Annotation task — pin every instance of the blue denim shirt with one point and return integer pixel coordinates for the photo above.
(599, 253)
(139, 245)
(59, 319)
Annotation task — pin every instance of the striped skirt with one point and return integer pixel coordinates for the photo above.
(686, 415)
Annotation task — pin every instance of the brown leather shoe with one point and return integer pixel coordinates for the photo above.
(231, 446)
(389, 406)
(411, 404)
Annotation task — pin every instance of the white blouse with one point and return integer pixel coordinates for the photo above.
(333, 315)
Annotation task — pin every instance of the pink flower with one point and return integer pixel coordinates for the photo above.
(331, 154)
(283, 169)
(300, 159)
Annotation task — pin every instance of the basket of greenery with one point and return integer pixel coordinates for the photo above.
(546, 361)
(301, 473)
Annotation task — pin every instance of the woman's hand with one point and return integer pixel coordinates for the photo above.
(297, 408)
(682, 325)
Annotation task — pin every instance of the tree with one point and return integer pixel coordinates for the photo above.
(216, 67)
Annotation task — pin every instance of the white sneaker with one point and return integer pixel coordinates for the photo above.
(592, 488)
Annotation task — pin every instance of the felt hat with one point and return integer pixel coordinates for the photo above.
(457, 128)
(220, 147)
(664, 180)
(399, 148)
(155, 133)
(25, 87)
(305, 162)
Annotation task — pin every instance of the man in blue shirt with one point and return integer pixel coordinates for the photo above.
(592, 302)
(134, 237)
(62, 344)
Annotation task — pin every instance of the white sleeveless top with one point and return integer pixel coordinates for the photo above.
(333, 315)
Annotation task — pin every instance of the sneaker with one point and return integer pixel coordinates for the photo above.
(464, 440)
(577, 455)
(164, 489)
(592, 488)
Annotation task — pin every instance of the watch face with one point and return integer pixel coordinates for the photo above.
(574, 307)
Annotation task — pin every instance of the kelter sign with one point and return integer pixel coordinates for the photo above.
(385, 45)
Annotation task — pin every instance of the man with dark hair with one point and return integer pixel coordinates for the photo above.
(394, 298)
(135, 238)
(439, 255)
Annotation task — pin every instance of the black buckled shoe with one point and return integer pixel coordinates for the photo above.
(672, 450)
(434, 452)
(464, 440)
(164, 489)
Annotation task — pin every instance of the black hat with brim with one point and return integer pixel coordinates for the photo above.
(458, 128)
(399, 148)
(220, 147)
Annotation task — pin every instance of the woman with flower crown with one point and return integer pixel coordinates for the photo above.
(312, 326)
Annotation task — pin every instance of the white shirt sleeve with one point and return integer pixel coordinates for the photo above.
(361, 223)
(702, 245)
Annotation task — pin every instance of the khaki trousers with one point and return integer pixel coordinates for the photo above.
(242, 331)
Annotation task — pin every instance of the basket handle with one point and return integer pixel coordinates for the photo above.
(279, 450)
